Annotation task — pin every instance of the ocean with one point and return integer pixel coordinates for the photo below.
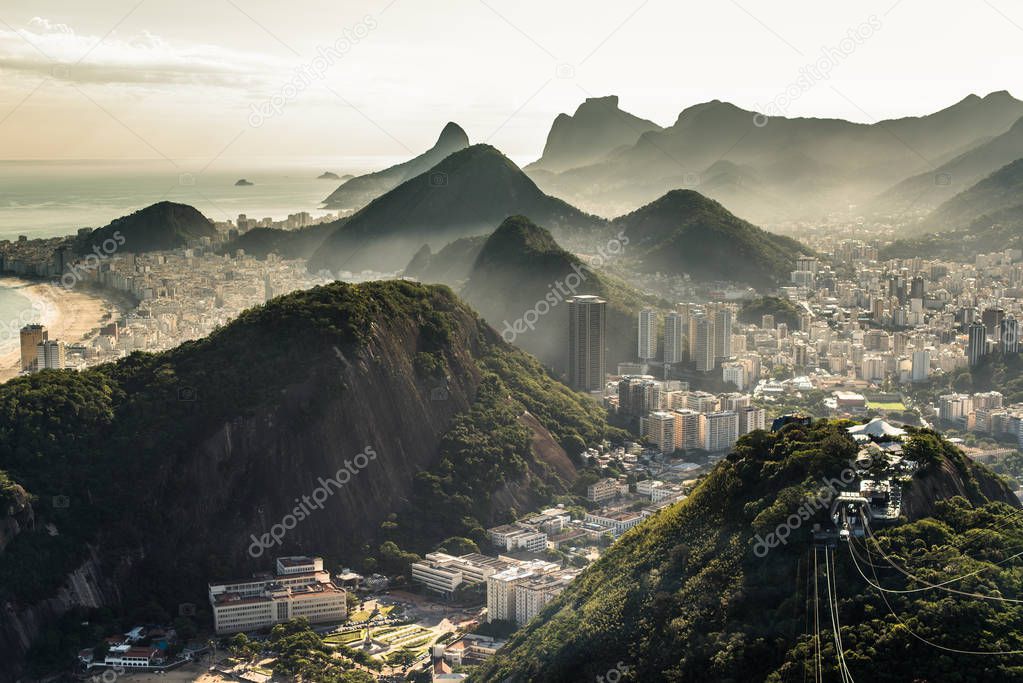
(16, 311)
(52, 198)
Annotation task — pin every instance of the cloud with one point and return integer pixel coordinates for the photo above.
(55, 50)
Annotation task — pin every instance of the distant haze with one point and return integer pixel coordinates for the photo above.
(233, 79)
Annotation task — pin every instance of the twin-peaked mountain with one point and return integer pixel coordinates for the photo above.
(357, 192)
(449, 265)
(468, 193)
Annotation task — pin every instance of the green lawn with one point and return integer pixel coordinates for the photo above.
(897, 405)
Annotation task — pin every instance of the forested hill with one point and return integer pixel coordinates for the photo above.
(156, 472)
(688, 597)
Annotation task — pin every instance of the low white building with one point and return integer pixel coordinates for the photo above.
(444, 574)
(511, 537)
(301, 588)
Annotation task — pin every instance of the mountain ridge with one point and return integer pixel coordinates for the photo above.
(469, 193)
(359, 191)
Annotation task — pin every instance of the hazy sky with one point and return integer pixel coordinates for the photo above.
(238, 78)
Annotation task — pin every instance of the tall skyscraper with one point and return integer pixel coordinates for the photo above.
(31, 337)
(1008, 335)
(921, 368)
(673, 351)
(992, 319)
(587, 332)
(917, 288)
(647, 334)
(50, 355)
(723, 333)
(976, 346)
(701, 342)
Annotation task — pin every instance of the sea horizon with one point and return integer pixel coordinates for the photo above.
(50, 198)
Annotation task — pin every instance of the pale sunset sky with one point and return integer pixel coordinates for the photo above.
(126, 79)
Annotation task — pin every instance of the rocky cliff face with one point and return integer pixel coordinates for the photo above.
(951, 478)
(94, 584)
(18, 516)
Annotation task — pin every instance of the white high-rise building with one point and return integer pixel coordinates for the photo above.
(502, 588)
(719, 431)
(673, 349)
(921, 365)
(647, 334)
(734, 373)
(659, 428)
(50, 355)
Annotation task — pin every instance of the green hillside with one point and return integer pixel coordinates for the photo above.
(687, 596)
(162, 226)
(519, 270)
(468, 193)
(212, 441)
(685, 232)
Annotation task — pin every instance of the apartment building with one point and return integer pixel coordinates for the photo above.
(501, 587)
(511, 537)
(605, 490)
(687, 429)
(659, 429)
(533, 594)
(719, 431)
(751, 419)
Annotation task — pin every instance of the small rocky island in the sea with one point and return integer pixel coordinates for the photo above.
(244, 183)
(329, 175)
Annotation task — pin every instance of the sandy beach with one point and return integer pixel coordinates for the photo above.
(70, 315)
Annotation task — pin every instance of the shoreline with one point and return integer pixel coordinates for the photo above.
(72, 315)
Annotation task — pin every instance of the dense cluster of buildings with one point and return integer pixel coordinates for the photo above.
(672, 417)
(299, 588)
(181, 295)
(983, 413)
(516, 589)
